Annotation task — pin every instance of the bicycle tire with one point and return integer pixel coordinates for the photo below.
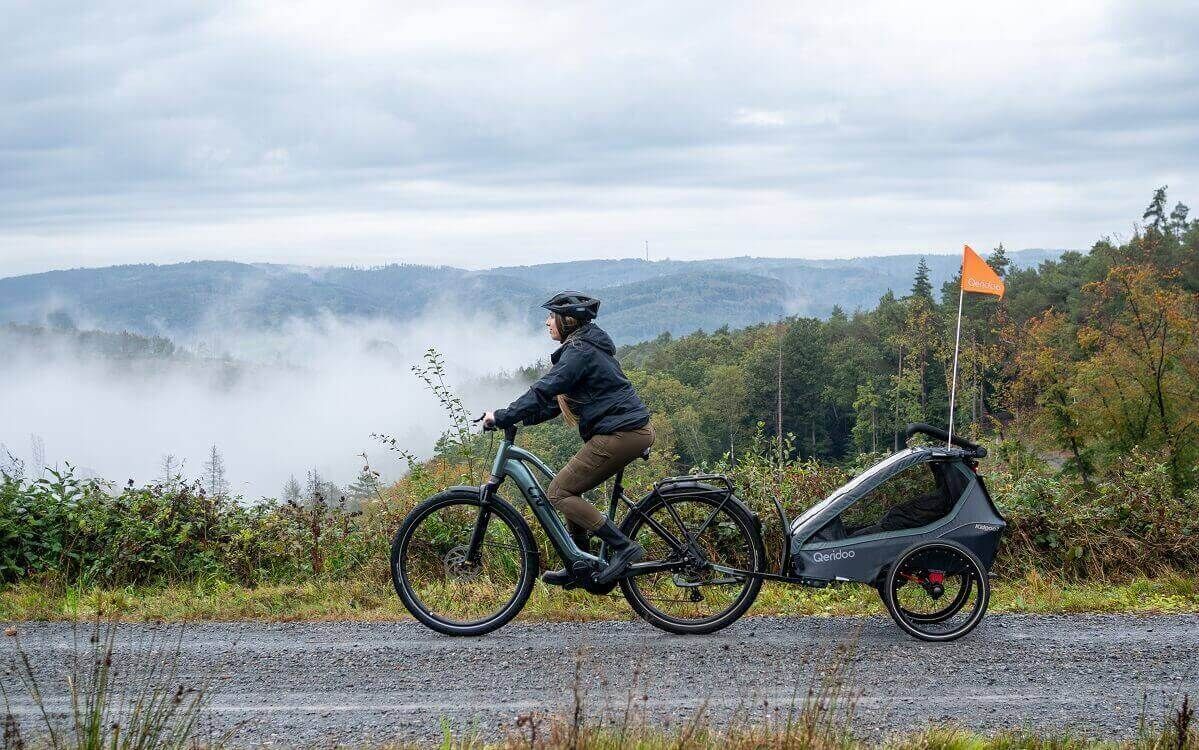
(412, 601)
(640, 603)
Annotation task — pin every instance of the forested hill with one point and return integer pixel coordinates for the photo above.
(1092, 359)
(641, 299)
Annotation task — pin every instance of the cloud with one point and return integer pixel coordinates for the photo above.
(759, 118)
(499, 132)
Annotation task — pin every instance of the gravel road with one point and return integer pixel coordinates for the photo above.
(320, 683)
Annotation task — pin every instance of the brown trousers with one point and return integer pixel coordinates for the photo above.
(599, 458)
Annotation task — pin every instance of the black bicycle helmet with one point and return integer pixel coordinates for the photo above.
(574, 304)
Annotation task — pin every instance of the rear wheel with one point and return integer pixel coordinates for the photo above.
(436, 578)
(690, 595)
(937, 591)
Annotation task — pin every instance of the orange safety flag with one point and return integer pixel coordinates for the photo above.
(977, 276)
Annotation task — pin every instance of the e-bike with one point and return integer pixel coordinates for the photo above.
(465, 560)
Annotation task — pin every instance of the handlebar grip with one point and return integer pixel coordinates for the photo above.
(939, 434)
(509, 432)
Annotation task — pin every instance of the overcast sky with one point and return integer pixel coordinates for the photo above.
(340, 132)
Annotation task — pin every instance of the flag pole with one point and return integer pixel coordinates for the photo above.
(957, 340)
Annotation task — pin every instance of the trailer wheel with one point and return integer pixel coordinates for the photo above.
(936, 591)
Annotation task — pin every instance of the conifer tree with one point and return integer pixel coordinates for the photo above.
(215, 482)
(366, 485)
(1178, 219)
(997, 260)
(922, 286)
(1155, 214)
(172, 470)
(291, 490)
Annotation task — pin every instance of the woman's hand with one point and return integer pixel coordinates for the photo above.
(489, 419)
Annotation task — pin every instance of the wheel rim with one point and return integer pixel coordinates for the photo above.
(694, 593)
(433, 567)
(938, 592)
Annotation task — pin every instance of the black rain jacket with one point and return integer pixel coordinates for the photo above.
(584, 370)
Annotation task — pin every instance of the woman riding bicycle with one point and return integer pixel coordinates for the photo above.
(587, 387)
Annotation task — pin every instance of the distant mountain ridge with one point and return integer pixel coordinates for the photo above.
(641, 298)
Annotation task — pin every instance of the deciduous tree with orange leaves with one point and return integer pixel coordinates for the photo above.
(1040, 393)
(1138, 384)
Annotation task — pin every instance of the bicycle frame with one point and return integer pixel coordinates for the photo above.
(513, 461)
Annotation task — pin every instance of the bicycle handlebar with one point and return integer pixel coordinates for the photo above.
(509, 432)
(939, 434)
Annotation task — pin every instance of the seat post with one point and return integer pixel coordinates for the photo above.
(617, 491)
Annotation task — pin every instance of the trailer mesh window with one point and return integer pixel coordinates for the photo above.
(916, 496)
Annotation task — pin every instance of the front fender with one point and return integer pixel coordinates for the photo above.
(473, 491)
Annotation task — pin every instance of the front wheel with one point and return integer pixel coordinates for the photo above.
(686, 592)
(442, 583)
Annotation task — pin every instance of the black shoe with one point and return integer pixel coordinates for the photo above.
(564, 577)
(625, 552)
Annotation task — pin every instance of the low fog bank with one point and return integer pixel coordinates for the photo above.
(276, 403)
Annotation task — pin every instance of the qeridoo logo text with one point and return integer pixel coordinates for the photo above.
(841, 554)
(980, 284)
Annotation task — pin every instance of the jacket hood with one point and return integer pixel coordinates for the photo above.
(596, 336)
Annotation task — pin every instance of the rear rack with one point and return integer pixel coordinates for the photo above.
(674, 486)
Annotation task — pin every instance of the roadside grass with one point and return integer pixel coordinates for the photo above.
(139, 704)
(370, 601)
(780, 738)
(781, 735)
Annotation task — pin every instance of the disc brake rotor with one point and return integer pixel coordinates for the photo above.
(457, 566)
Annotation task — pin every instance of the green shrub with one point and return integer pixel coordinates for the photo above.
(86, 531)
(1128, 521)
(1124, 523)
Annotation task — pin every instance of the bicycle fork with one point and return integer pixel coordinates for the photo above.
(479, 532)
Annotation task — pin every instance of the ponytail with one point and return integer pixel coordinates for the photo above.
(568, 414)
